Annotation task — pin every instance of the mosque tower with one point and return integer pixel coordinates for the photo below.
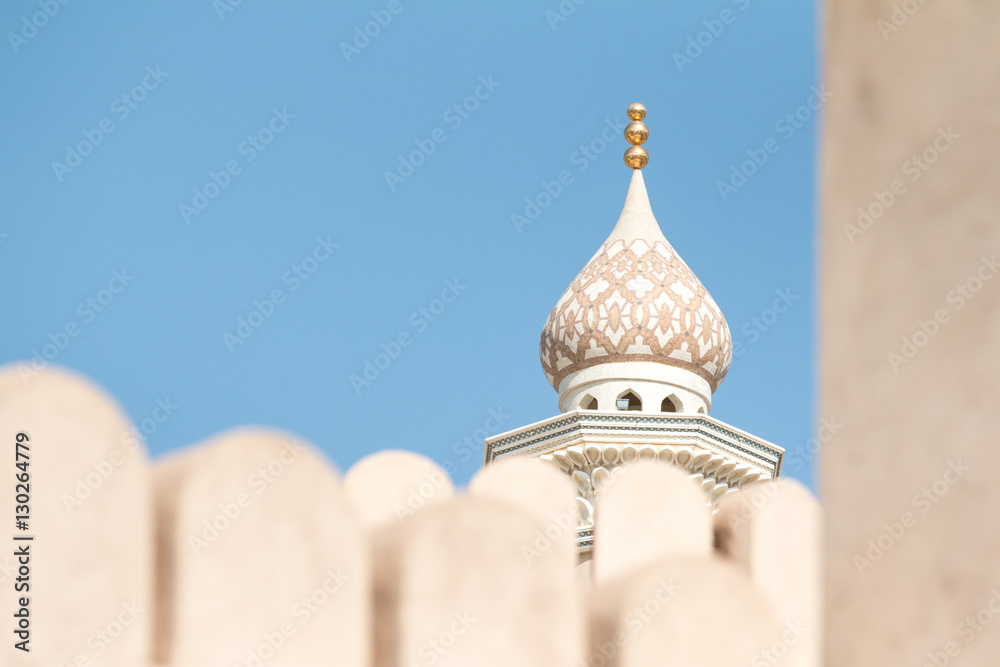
(635, 348)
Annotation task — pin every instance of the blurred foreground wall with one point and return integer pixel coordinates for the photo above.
(251, 550)
(909, 332)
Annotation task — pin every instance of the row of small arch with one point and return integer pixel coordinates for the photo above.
(669, 404)
(694, 459)
(592, 467)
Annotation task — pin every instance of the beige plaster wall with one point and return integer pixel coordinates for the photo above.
(909, 325)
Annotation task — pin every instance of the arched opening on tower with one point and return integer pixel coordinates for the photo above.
(669, 404)
(589, 403)
(701, 411)
(629, 401)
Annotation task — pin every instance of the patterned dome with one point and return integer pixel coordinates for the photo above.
(636, 300)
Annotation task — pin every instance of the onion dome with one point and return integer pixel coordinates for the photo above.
(636, 302)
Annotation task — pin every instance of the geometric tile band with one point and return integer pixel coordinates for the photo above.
(585, 425)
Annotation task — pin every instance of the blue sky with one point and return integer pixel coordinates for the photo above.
(167, 169)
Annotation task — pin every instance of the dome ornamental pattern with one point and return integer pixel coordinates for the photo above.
(636, 300)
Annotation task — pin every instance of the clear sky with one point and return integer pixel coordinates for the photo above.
(169, 169)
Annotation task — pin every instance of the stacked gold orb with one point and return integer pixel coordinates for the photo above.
(636, 134)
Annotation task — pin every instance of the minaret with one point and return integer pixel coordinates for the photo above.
(635, 348)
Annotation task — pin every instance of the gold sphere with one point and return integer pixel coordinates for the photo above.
(636, 157)
(636, 111)
(636, 132)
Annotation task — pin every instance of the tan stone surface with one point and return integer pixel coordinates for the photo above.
(474, 593)
(263, 551)
(386, 489)
(648, 512)
(773, 530)
(685, 611)
(90, 596)
(538, 488)
(389, 486)
(585, 573)
(386, 550)
(894, 96)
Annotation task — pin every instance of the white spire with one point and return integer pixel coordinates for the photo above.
(636, 220)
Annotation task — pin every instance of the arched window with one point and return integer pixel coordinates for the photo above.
(701, 411)
(589, 403)
(669, 404)
(629, 401)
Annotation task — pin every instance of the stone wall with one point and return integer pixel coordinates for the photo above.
(910, 317)
(251, 549)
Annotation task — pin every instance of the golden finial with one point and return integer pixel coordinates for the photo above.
(636, 134)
